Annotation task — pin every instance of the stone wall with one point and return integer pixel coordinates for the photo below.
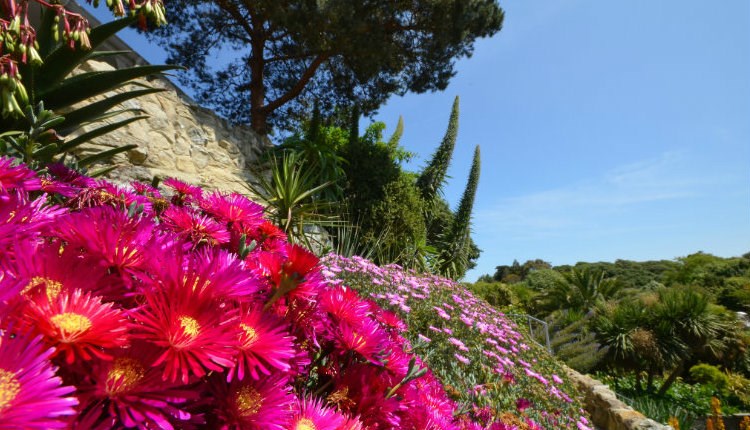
(181, 140)
(606, 410)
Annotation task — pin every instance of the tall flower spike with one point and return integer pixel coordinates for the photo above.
(31, 396)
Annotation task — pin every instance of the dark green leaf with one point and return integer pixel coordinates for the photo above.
(93, 111)
(99, 132)
(87, 85)
(104, 155)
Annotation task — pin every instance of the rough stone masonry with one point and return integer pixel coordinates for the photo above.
(179, 139)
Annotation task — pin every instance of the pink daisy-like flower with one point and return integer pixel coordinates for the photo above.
(47, 269)
(253, 405)
(522, 404)
(14, 176)
(78, 325)
(360, 392)
(344, 304)
(366, 338)
(264, 344)
(31, 396)
(107, 234)
(210, 272)
(296, 276)
(192, 333)
(462, 359)
(352, 423)
(190, 225)
(233, 209)
(70, 176)
(21, 219)
(106, 194)
(310, 414)
(127, 392)
(184, 193)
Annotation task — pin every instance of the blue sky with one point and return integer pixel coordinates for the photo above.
(608, 130)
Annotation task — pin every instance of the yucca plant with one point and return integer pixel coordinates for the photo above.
(64, 95)
(292, 196)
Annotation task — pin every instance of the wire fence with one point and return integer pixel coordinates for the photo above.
(537, 328)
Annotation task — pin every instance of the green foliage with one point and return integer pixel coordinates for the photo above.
(664, 332)
(399, 213)
(526, 298)
(517, 272)
(709, 375)
(318, 148)
(687, 402)
(62, 94)
(288, 53)
(573, 342)
(432, 178)
(736, 293)
(661, 410)
(495, 293)
(395, 139)
(543, 280)
(291, 195)
(581, 290)
(706, 271)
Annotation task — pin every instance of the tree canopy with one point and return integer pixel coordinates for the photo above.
(261, 62)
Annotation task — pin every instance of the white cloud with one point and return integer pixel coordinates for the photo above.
(587, 205)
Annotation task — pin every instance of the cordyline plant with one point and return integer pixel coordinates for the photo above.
(129, 308)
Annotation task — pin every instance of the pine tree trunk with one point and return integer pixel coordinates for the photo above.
(258, 115)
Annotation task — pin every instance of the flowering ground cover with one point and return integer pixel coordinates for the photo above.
(490, 368)
(126, 308)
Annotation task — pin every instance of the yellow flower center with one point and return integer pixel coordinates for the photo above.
(9, 388)
(189, 326)
(126, 373)
(305, 424)
(52, 287)
(250, 334)
(71, 323)
(249, 401)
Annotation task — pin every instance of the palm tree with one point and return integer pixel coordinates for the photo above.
(687, 323)
(581, 290)
(623, 331)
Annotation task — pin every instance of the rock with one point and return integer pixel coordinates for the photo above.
(179, 139)
(138, 155)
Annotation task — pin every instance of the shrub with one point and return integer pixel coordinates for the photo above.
(709, 375)
(495, 293)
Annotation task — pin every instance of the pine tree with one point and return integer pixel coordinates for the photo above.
(431, 179)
